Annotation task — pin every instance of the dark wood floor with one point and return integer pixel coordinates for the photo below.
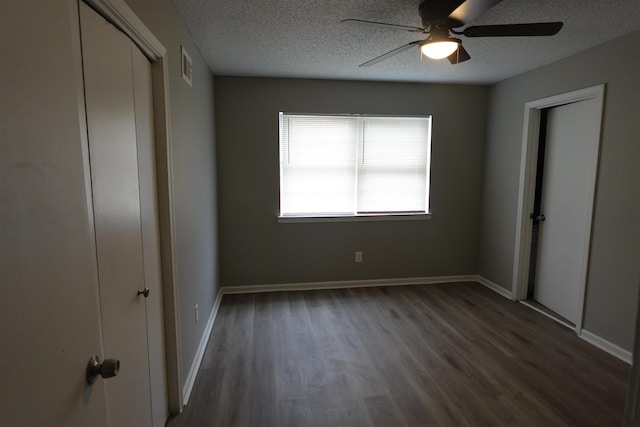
(433, 355)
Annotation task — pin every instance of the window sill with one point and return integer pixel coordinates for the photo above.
(356, 218)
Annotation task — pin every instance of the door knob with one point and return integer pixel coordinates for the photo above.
(538, 218)
(144, 292)
(107, 369)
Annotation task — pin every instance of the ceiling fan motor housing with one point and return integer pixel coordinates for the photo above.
(435, 15)
(440, 34)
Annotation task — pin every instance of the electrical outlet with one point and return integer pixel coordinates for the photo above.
(196, 313)
(358, 256)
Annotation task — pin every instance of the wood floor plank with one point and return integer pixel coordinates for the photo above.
(384, 412)
(455, 354)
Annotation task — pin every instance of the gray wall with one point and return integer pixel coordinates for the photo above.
(255, 249)
(194, 174)
(614, 268)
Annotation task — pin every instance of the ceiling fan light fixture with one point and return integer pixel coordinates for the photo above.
(439, 49)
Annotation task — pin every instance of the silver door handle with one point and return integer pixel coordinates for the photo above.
(541, 218)
(144, 292)
(106, 369)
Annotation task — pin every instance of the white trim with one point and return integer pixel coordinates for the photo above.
(307, 286)
(356, 218)
(197, 360)
(120, 14)
(122, 17)
(632, 414)
(528, 162)
(494, 287)
(165, 180)
(619, 352)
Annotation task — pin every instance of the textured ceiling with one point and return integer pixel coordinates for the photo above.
(304, 38)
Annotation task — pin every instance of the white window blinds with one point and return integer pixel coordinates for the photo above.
(350, 165)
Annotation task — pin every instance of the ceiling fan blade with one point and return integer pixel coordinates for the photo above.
(431, 10)
(514, 30)
(384, 25)
(390, 53)
(460, 55)
(470, 9)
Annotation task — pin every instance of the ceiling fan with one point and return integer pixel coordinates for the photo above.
(440, 18)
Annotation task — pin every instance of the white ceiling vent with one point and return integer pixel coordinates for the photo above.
(187, 66)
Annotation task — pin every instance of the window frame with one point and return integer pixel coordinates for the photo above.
(355, 217)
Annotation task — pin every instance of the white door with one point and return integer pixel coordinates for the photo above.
(571, 145)
(49, 310)
(150, 236)
(118, 99)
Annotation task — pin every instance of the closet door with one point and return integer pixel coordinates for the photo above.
(150, 235)
(117, 86)
(571, 147)
(49, 309)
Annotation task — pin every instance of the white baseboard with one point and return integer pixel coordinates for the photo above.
(308, 286)
(494, 287)
(197, 360)
(614, 350)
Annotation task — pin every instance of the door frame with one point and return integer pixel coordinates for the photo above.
(526, 190)
(122, 17)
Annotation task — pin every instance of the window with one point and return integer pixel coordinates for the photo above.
(354, 165)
